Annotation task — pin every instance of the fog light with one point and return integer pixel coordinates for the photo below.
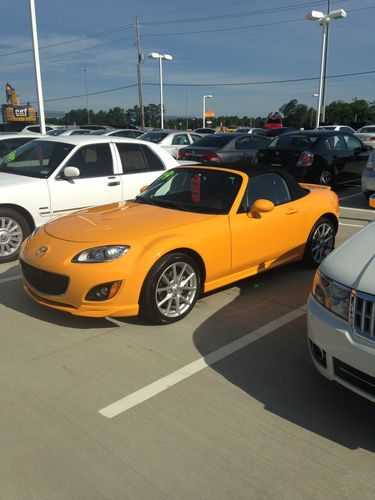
(318, 354)
(104, 291)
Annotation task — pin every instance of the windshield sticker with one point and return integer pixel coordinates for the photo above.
(10, 157)
(195, 188)
(167, 175)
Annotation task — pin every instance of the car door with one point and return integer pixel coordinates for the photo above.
(278, 235)
(98, 182)
(140, 166)
(245, 150)
(357, 158)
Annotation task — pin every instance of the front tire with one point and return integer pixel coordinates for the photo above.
(320, 243)
(170, 289)
(13, 230)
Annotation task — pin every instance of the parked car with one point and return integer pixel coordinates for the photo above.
(51, 176)
(341, 315)
(35, 129)
(171, 140)
(272, 133)
(239, 149)
(337, 128)
(368, 176)
(9, 141)
(205, 130)
(321, 157)
(194, 229)
(249, 130)
(367, 135)
(68, 131)
(119, 132)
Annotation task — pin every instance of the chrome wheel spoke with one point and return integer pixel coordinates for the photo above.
(11, 236)
(176, 289)
(322, 242)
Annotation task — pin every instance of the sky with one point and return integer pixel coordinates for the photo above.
(243, 53)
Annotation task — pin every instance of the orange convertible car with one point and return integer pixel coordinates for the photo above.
(193, 230)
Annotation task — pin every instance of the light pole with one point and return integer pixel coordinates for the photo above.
(204, 108)
(38, 78)
(324, 20)
(313, 95)
(161, 57)
(87, 96)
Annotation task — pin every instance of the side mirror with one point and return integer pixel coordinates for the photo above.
(143, 189)
(371, 201)
(70, 172)
(260, 206)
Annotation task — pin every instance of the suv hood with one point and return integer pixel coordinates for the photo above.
(119, 222)
(353, 262)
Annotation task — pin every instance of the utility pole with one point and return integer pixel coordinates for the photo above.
(139, 75)
(325, 69)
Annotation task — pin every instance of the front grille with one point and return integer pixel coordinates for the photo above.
(362, 314)
(354, 377)
(43, 281)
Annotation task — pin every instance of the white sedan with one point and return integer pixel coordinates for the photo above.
(52, 176)
(171, 140)
(341, 314)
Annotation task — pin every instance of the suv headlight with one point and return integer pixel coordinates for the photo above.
(332, 295)
(101, 254)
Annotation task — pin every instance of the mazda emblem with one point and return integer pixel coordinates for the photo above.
(41, 251)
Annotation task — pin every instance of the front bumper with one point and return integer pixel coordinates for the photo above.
(348, 358)
(83, 277)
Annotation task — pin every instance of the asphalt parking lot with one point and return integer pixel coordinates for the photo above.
(223, 404)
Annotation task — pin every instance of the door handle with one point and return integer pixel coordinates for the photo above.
(291, 211)
(114, 183)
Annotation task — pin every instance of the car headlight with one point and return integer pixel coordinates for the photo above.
(101, 254)
(331, 294)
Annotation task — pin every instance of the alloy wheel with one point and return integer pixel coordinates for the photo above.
(176, 289)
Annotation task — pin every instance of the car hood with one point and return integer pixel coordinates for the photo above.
(117, 221)
(8, 180)
(353, 262)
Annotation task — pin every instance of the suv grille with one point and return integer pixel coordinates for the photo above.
(43, 281)
(362, 314)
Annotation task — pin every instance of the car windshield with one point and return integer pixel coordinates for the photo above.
(154, 137)
(199, 190)
(368, 130)
(36, 158)
(56, 131)
(294, 141)
(215, 141)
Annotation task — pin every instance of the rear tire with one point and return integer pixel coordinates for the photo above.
(320, 243)
(13, 230)
(170, 289)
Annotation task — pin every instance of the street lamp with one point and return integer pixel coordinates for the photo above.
(87, 97)
(161, 57)
(204, 108)
(324, 20)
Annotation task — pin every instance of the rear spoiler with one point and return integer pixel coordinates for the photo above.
(313, 186)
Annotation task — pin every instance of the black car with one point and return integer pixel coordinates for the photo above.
(239, 149)
(272, 133)
(320, 157)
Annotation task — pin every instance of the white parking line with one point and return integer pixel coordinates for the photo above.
(350, 196)
(351, 225)
(187, 371)
(369, 210)
(5, 280)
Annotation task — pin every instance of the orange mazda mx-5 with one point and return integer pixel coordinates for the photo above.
(194, 229)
